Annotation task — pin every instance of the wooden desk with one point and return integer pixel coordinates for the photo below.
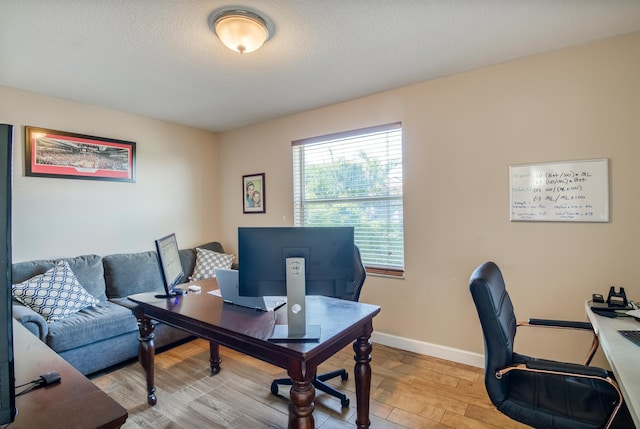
(247, 331)
(623, 356)
(75, 402)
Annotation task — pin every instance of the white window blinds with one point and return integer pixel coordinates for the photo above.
(355, 179)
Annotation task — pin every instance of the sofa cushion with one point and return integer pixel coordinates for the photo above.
(105, 320)
(130, 273)
(54, 294)
(207, 261)
(87, 269)
(99, 355)
(188, 256)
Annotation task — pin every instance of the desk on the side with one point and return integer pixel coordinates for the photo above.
(75, 402)
(623, 356)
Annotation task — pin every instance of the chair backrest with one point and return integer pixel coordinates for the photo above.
(359, 275)
(498, 321)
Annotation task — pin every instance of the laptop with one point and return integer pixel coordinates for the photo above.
(229, 285)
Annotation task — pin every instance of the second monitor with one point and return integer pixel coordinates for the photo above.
(296, 261)
(170, 266)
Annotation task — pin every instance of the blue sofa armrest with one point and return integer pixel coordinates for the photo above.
(31, 320)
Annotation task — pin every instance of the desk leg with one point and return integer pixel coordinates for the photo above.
(214, 357)
(146, 352)
(302, 394)
(362, 348)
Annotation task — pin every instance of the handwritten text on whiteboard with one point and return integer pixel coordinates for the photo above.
(574, 191)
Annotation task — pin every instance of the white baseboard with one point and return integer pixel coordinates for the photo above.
(435, 350)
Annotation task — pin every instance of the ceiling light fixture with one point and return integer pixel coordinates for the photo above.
(239, 29)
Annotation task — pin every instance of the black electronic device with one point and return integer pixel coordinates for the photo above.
(296, 261)
(604, 312)
(617, 299)
(328, 254)
(7, 381)
(615, 304)
(51, 377)
(632, 335)
(170, 266)
(604, 307)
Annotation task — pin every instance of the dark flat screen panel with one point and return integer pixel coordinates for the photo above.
(328, 253)
(7, 382)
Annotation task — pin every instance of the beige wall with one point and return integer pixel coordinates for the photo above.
(175, 190)
(461, 133)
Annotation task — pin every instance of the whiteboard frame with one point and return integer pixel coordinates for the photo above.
(599, 198)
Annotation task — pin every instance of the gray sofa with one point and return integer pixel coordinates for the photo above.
(107, 334)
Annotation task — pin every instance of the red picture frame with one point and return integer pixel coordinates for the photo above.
(60, 154)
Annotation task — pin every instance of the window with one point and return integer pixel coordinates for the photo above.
(355, 179)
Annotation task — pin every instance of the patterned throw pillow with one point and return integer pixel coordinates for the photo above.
(55, 294)
(206, 261)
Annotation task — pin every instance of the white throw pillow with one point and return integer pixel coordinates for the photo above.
(55, 294)
(206, 261)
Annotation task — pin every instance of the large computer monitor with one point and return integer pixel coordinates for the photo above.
(170, 265)
(296, 261)
(328, 253)
(7, 381)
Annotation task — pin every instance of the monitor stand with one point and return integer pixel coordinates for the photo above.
(297, 328)
(176, 291)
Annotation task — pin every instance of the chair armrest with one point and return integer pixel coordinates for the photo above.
(568, 368)
(567, 324)
(31, 320)
(550, 323)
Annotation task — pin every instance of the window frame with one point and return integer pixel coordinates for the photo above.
(298, 185)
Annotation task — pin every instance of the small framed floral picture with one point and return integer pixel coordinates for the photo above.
(253, 191)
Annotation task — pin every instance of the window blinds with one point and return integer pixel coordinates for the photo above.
(354, 179)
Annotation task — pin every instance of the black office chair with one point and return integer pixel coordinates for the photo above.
(540, 393)
(360, 275)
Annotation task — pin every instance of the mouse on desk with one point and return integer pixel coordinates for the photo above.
(605, 313)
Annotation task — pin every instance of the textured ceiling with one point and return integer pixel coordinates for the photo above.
(159, 58)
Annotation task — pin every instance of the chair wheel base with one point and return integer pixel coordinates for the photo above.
(319, 384)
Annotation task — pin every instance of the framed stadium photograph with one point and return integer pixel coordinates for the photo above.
(51, 153)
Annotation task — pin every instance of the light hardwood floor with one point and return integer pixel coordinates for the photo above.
(408, 390)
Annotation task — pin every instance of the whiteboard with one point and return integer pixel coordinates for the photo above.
(572, 191)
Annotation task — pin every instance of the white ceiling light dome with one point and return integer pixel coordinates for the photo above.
(240, 30)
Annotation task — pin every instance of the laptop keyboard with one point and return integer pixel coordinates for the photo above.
(631, 335)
